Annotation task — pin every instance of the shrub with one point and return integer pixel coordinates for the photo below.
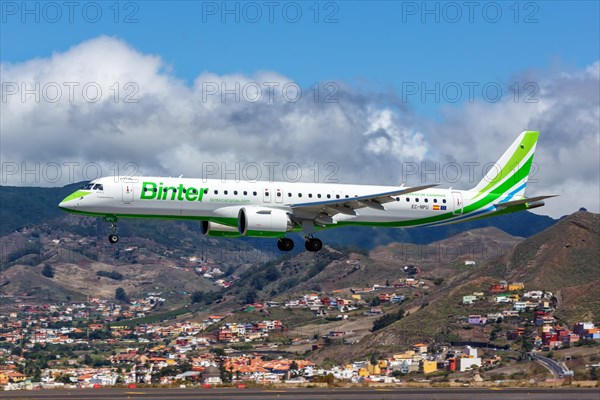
(48, 271)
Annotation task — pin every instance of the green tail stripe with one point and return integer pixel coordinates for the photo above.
(488, 199)
(529, 140)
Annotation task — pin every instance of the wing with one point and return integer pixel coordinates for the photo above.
(327, 209)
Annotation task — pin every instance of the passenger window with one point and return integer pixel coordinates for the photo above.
(444, 201)
(299, 194)
(319, 195)
(235, 192)
(337, 196)
(347, 196)
(205, 191)
(426, 200)
(435, 200)
(417, 199)
(225, 192)
(289, 194)
(254, 193)
(408, 199)
(278, 194)
(328, 196)
(310, 195)
(245, 193)
(216, 192)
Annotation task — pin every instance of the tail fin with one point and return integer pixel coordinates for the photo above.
(510, 173)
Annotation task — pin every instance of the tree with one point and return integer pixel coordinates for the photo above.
(386, 320)
(111, 274)
(88, 360)
(47, 271)
(120, 295)
(272, 273)
(198, 297)
(374, 359)
(251, 297)
(63, 378)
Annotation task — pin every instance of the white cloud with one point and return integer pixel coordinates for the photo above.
(567, 114)
(174, 128)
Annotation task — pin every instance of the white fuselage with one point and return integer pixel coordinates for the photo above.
(184, 198)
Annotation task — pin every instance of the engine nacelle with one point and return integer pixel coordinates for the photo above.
(213, 229)
(261, 221)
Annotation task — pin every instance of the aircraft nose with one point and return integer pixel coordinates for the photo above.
(72, 201)
(67, 204)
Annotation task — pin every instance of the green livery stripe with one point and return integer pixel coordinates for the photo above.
(488, 199)
(76, 195)
(224, 221)
(507, 210)
(529, 140)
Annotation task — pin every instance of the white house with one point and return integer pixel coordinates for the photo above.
(468, 363)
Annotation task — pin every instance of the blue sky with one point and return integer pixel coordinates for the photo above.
(379, 44)
(377, 53)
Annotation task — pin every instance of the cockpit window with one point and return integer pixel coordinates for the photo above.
(88, 186)
(98, 186)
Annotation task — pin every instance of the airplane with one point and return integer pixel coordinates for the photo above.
(273, 209)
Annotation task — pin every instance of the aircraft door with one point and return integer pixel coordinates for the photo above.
(458, 203)
(127, 190)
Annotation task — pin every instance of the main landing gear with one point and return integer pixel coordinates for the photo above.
(312, 244)
(112, 238)
(285, 244)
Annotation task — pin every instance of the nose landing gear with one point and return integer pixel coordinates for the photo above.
(112, 238)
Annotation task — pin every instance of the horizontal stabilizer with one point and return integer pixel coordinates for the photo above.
(522, 201)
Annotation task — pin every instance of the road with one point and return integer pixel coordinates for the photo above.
(554, 367)
(311, 394)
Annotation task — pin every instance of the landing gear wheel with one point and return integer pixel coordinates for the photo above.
(285, 244)
(313, 244)
(112, 238)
